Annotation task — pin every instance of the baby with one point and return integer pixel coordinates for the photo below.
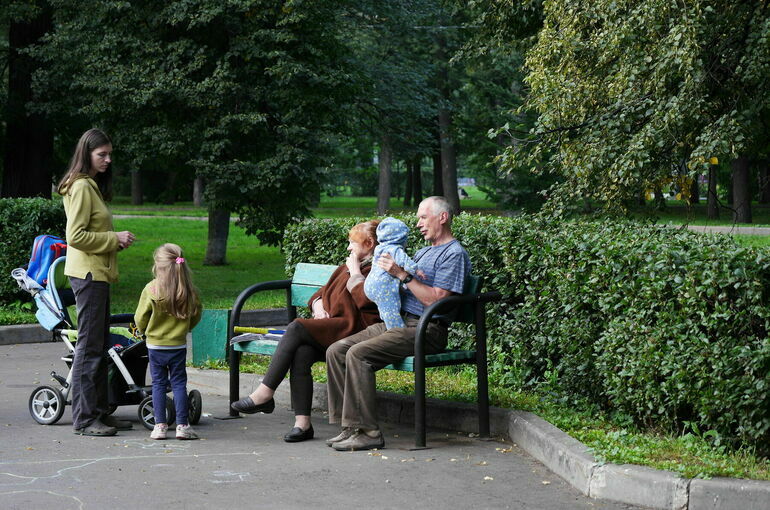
(380, 286)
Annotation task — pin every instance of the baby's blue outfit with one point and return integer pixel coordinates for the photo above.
(380, 286)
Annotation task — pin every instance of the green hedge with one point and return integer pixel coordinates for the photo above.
(658, 324)
(21, 220)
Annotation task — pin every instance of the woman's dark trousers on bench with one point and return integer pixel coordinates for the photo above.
(296, 351)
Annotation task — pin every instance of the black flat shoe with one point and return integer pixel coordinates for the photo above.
(247, 406)
(296, 435)
(111, 421)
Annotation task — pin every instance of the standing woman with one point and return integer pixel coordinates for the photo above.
(92, 248)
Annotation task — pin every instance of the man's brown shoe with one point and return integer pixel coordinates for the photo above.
(345, 434)
(360, 441)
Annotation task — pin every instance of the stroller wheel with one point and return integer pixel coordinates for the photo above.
(147, 414)
(46, 405)
(195, 403)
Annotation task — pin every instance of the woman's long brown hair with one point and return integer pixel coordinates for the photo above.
(80, 164)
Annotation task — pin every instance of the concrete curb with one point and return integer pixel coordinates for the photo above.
(34, 333)
(24, 334)
(562, 454)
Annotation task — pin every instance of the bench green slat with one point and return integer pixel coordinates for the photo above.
(436, 360)
(267, 347)
(300, 294)
(467, 313)
(308, 278)
(312, 274)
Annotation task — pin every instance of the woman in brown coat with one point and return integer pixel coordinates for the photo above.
(340, 308)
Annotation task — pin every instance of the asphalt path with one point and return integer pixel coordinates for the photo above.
(244, 463)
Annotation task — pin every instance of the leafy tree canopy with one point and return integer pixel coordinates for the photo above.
(244, 92)
(626, 90)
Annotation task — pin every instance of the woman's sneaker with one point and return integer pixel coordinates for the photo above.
(185, 432)
(159, 432)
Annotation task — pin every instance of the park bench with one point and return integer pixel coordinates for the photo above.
(308, 278)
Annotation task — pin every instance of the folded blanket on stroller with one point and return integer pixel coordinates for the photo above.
(48, 313)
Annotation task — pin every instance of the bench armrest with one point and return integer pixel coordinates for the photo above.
(441, 307)
(235, 314)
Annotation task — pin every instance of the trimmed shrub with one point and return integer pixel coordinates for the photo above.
(21, 220)
(660, 324)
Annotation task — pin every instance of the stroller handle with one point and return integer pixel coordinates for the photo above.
(121, 318)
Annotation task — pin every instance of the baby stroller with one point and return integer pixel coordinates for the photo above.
(127, 358)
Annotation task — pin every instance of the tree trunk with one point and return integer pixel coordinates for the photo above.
(385, 164)
(170, 194)
(417, 179)
(448, 150)
(395, 180)
(198, 192)
(28, 137)
(438, 179)
(448, 161)
(741, 190)
(763, 172)
(408, 181)
(712, 204)
(137, 195)
(219, 230)
(659, 203)
(695, 191)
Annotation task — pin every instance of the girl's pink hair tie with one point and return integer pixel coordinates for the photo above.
(179, 260)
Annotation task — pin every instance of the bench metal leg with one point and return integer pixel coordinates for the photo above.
(419, 405)
(234, 358)
(482, 379)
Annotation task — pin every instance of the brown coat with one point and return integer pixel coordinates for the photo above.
(349, 311)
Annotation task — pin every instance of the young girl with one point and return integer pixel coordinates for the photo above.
(168, 309)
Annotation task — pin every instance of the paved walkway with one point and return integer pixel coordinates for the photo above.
(731, 229)
(244, 462)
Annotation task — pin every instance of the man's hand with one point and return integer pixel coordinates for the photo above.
(386, 263)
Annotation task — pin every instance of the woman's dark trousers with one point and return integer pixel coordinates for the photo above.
(296, 351)
(89, 367)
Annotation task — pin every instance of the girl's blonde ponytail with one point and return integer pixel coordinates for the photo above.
(175, 287)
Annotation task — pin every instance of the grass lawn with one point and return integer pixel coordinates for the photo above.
(677, 212)
(329, 207)
(247, 262)
(341, 206)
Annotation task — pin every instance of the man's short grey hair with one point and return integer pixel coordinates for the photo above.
(438, 205)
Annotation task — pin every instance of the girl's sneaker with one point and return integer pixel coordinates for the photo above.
(159, 432)
(185, 432)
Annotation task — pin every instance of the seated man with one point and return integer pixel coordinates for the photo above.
(352, 361)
